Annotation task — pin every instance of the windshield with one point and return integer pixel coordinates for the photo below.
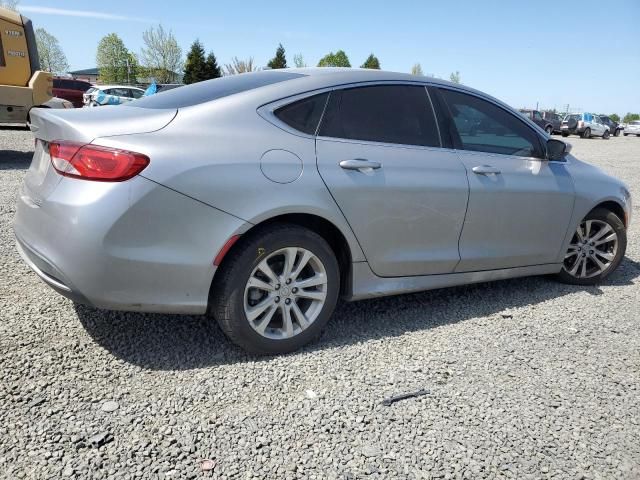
(208, 90)
(635, 122)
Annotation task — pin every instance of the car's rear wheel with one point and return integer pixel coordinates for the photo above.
(586, 133)
(596, 249)
(616, 133)
(277, 290)
(625, 134)
(549, 129)
(605, 135)
(565, 134)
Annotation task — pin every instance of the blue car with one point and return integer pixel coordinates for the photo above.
(110, 95)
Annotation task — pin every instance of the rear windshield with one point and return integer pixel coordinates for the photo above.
(206, 91)
(575, 117)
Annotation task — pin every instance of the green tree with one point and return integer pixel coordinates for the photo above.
(455, 77)
(212, 69)
(417, 70)
(338, 59)
(298, 61)
(162, 56)
(52, 58)
(371, 62)
(279, 61)
(195, 68)
(115, 62)
(615, 117)
(630, 117)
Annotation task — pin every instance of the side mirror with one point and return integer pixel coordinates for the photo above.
(557, 149)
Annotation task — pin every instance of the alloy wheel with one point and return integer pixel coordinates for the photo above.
(285, 293)
(592, 249)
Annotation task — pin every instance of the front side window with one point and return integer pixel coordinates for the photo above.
(485, 127)
(399, 114)
(537, 115)
(303, 115)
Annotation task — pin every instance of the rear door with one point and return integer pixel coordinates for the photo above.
(520, 204)
(380, 154)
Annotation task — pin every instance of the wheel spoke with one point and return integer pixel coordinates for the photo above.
(287, 324)
(601, 265)
(583, 273)
(603, 231)
(605, 255)
(579, 233)
(587, 228)
(607, 239)
(300, 317)
(266, 269)
(290, 255)
(257, 283)
(576, 265)
(257, 310)
(306, 256)
(266, 320)
(313, 294)
(314, 281)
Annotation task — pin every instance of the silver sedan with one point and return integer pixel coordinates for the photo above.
(262, 198)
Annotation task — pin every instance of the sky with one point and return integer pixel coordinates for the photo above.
(527, 53)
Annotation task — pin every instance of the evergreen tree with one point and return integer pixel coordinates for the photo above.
(195, 67)
(279, 61)
(371, 62)
(212, 67)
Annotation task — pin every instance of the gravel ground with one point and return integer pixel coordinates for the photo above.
(528, 378)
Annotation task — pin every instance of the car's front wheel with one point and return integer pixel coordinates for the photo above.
(586, 133)
(596, 249)
(605, 135)
(549, 129)
(277, 290)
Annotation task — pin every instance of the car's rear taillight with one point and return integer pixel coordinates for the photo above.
(580, 124)
(94, 162)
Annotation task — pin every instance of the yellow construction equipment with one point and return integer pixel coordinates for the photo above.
(22, 83)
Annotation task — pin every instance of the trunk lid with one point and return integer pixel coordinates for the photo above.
(86, 124)
(80, 125)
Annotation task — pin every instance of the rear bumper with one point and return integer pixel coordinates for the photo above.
(134, 245)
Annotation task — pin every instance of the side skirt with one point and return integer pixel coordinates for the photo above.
(365, 284)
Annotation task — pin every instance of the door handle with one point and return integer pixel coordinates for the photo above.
(360, 164)
(485, 170)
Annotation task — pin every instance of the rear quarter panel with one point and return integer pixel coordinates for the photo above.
(212, 152)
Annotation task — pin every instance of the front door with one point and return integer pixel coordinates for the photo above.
(378, 151)
(520, 204)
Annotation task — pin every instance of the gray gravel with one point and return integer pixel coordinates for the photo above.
(528, 378)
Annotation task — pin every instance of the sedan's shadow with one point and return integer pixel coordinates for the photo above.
(15, 159)
(177, 342)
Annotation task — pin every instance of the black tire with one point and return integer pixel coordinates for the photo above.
(586, 133)
(616, 133)
(565, 134)
(637, 135)
(227, 292)
(605, 135)
(549, 130)
(625, 134)
(615, 223)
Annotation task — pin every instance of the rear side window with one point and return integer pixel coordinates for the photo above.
(383, 113)
(303, 115)
(209, 90)
(485, 127)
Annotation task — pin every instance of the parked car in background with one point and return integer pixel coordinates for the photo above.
(263, 197)
(110, 95)
(536, 117)
(633, 128)
(614, 127)
(585, 124)
(70, 89)
(165, 87)
(555, 119)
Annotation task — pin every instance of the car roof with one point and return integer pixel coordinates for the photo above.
(104, 87)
